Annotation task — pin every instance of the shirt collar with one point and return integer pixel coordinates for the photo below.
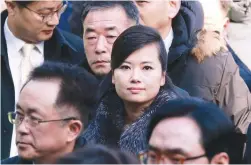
(15, 43)
(40, 47)
(168, 40)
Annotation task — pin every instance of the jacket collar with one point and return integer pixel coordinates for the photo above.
(187, 23)
(61, 39)
(109, 123)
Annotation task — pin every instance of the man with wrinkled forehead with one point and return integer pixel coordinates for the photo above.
(103, 22)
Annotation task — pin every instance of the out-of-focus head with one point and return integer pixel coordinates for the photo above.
(34, 21)
(139, 62)
(103, 22)
(158, 14)
(51, 111)
(189, 131)
(215, 14)
(98, 154)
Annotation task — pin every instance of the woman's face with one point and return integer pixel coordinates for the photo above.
(139, 78)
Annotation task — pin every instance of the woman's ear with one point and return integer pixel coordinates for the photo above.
(74, 129)
(163, 79)
(220, 158)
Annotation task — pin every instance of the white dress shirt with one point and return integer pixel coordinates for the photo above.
(168, 40)
(14, 46)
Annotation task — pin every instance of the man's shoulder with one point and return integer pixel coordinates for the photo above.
(15, 160)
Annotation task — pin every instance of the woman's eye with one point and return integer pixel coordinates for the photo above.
(111, 37)
(141, 2)
(124, 67)
(147, 68)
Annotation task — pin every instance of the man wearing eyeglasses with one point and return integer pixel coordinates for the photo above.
(192, 131)
(49, 121)
(29, 37)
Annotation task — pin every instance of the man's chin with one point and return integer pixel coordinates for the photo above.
(101, 73)
(26, 156)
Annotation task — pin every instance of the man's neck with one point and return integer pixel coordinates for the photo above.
(164, 31)
(51, 158)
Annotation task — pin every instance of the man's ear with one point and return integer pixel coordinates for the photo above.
(173, 8)
(74, 129)
(113, 81)
(226, 22)
(11, 6)
(220, 158)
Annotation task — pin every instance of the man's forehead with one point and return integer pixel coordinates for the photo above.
(49, 88)
(46, 4)
(102, 25)
(183, 134)
(177, 129)
(39, 95)
(113, 14)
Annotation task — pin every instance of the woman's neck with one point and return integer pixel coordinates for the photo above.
(134, 111)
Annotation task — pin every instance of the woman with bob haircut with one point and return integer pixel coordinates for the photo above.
(140, 86)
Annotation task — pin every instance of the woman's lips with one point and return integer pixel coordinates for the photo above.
(135, 90)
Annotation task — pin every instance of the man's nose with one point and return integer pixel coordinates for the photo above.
(54, 20)
(23, 127)
(101, 45)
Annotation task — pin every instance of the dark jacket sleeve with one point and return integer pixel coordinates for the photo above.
(233, 95)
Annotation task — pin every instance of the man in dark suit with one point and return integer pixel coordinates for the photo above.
(30, 25)
(49, 121)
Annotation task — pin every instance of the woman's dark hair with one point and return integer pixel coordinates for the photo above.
(135, 38)
(217, 130)
(98, 154)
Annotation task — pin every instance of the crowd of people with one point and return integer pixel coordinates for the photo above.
(124, 82)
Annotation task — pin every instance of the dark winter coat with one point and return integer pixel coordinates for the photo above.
(108, 126)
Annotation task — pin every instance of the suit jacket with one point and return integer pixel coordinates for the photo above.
(62, 47)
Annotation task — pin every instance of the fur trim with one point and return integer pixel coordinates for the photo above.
(108, 127)
(209, 43)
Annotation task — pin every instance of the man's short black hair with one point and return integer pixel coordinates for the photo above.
(23, 3)
(98, 154)
(217, 130)
(78, 88)
(129, 7)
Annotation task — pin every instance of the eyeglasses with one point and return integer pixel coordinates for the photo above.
(17, 119)
(48, 17)
(155, 157)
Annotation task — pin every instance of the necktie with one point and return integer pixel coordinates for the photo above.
(25, 66)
